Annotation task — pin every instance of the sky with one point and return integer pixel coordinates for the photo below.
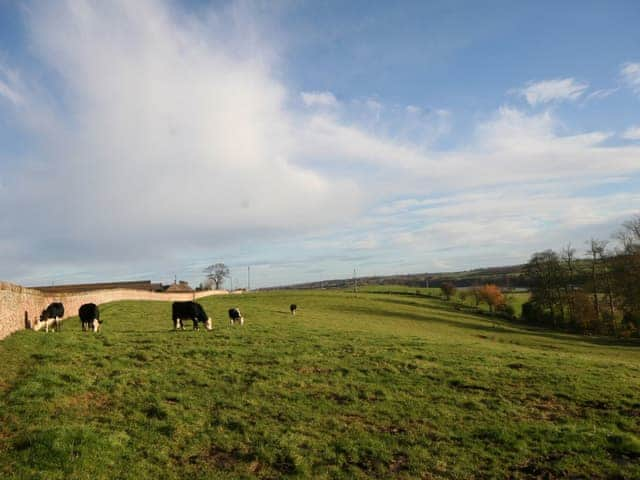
(147, 139)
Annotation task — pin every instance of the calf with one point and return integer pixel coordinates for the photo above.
(90, 317)
(293, 307)
(54, 311)
(235, 316)
(192, 310)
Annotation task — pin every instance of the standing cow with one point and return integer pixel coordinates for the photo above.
(54, 311)
(293, 307)
(235, 316)
(189, 310)
(90, 317)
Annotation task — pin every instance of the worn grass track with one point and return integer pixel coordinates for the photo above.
(382, 385)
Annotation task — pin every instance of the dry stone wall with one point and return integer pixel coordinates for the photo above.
(21, 307)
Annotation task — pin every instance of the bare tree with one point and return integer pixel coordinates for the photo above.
(596, 250)
(625, 272)
(629, 236)
(568, 258)
(217, 273)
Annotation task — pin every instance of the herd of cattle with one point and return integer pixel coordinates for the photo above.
(90, 316)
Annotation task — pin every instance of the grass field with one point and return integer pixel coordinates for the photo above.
(378, 385)
(515, 299)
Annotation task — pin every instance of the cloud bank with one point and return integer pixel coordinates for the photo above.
(163, 136)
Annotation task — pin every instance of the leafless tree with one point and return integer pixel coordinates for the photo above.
(568, 258)
(217, 273)
(596, 251)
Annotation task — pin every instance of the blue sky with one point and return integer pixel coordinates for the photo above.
(147, 139)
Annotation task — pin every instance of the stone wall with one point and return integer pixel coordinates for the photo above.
(21, 307)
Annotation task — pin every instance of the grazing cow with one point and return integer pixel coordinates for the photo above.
(192, 310)
(54, 311)
(235, 316)
(90, 317)
(293, 307)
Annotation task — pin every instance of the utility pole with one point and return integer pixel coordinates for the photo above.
(248, 277)
(231, 280)
(355, 282)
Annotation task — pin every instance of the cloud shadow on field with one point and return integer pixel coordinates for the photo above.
(502, 328)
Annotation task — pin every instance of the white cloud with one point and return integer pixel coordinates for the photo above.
(632, 133)
(319, 99)
(174, 136)
(7, 92)
(553, 90)
(10, 86)
(601, 94)
(168, 140)
(630, 73)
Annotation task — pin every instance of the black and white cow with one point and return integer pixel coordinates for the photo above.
(54, 311)
(189, 310)
(90, 317)
(293, 307)
(235, 316)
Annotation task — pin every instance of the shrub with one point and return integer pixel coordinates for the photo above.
(507, 311)
(448, 290)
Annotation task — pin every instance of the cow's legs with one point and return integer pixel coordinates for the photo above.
(57, 325)
(96, 325)
(195, 324)
(46, 325)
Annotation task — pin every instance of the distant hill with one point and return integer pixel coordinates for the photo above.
(511, 276)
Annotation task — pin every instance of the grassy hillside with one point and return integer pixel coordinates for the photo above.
(352, 387)
(511, 275)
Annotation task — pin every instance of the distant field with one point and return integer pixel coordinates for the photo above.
(373, 385)
(515, 299)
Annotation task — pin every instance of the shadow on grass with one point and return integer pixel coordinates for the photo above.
(500, 325)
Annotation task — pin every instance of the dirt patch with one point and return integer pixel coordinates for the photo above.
(467, 386)
(339, 399)
(315, 370)
(516, 366)
(538, 468)
(399, 463)
(596, 405)
(219, 458)
(547, 409)
(88, 400)
(255, 467)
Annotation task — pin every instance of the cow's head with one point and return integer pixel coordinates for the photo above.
(209, 324)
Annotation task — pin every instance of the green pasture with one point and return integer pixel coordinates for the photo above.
(378, 385)
(515, 299)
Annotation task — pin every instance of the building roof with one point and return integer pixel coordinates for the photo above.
(179, 287)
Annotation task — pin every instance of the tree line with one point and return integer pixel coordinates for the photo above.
(598, 296)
